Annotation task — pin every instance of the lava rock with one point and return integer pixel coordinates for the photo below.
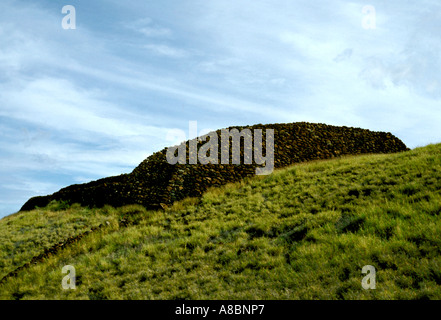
(157, 184)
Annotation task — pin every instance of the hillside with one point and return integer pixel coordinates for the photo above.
(302, 232)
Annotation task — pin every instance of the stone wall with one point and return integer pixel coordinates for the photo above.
(155, 182)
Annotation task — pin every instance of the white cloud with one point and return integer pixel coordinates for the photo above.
(166, 50)
(344, 55)
(82, 132)
(58, 104)
(148, 28)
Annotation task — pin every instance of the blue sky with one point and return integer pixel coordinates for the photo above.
(78, 105)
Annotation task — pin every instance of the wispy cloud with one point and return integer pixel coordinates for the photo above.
(166, 50)
(148, 28)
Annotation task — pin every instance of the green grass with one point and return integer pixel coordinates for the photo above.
(26, 234)
(303, 232)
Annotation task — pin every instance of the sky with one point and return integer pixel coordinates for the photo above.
(91, 92)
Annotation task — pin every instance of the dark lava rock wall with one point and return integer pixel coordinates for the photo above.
(155, 182)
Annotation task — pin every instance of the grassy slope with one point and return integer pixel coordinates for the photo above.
(304, 232)
(26, 234)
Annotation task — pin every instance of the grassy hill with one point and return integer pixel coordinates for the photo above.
(303, 232)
